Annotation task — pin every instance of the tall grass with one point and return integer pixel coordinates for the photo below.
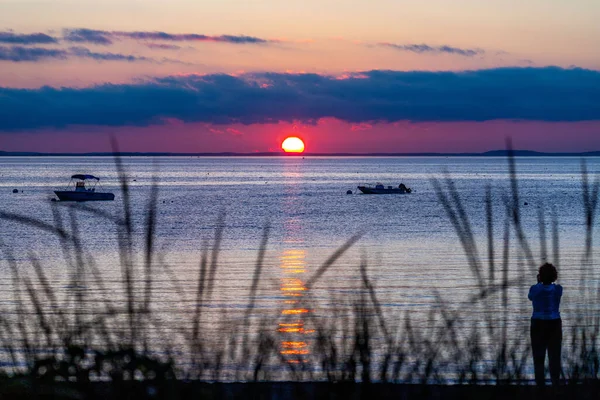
(50, 336)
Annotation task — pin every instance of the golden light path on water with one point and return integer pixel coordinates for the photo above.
(294, 343)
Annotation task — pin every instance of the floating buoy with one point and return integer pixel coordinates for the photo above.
(15, 190)
(526, 203)
(349, 192)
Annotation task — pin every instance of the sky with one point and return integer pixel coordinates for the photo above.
(346, 76)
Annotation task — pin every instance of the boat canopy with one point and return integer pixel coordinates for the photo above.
(84, 177)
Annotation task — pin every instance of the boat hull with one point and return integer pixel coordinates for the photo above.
(371, 190)
(69, 195)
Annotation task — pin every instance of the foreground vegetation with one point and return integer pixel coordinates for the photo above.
(71, 343)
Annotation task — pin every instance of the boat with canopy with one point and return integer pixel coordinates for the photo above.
(379, 188)
(77, 190)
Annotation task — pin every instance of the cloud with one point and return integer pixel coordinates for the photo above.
(86, 53)
(32, 38)
(163, 46)
(82, 35)
(191, 37)
(30, 54)
(39, 54)
(542, 94)
(363, 126)
(424, 48)
(235, 132)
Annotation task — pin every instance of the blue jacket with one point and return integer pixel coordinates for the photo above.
(546, 300)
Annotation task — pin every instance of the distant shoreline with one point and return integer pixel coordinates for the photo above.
(494, 153)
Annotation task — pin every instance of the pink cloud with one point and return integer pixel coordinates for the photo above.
(234, 131)
(351, 75)
(361, 127)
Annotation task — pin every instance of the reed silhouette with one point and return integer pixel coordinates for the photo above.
(65, 342)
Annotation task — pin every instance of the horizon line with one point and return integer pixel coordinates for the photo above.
(491, 153)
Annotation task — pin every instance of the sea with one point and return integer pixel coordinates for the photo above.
(306, 209)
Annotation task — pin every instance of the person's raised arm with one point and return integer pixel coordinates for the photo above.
(533, 291)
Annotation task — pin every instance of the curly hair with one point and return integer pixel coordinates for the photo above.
(548, 273)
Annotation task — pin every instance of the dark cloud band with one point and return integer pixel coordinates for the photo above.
(544, 94)
(41, 54)
(191, 37)
(30, 54)
(163, 46)
(107, 37)
(86, 53)
(424, 48)
(87, 36)
(25, 39)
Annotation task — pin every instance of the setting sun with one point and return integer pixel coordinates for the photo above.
(293, 144)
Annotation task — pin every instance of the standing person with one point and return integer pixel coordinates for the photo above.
(546, 325)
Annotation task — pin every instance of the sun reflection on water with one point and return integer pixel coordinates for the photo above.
(294, 346)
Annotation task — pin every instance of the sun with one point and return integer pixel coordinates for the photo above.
(292, 144)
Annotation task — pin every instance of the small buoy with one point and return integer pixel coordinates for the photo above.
(349, 192)
(15, 190)
(135, 180)
(526, 203)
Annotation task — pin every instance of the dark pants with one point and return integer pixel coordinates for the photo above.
(546, 335)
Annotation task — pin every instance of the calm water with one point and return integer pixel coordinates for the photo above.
(408, 241)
